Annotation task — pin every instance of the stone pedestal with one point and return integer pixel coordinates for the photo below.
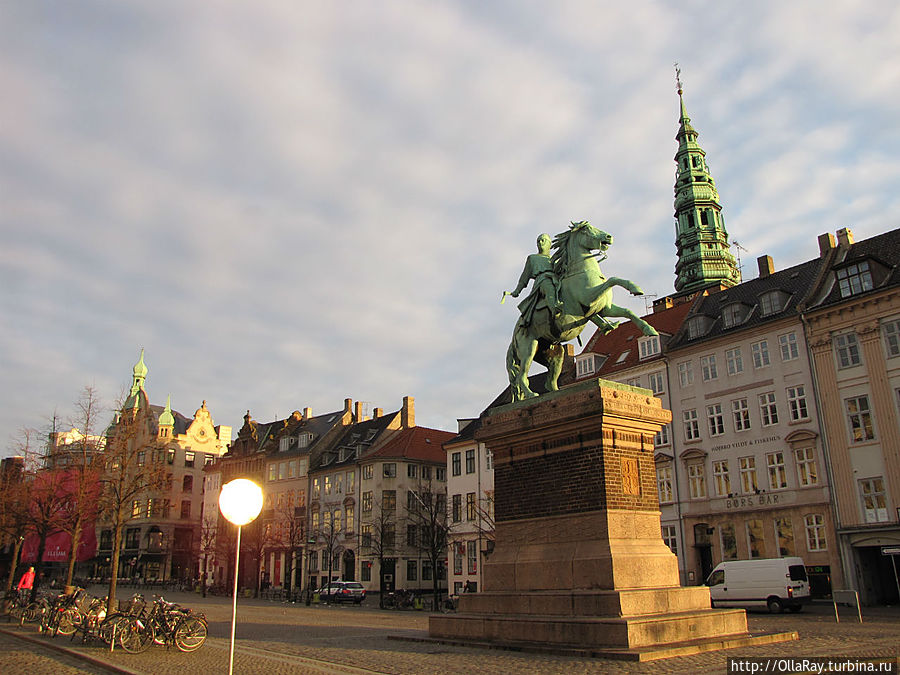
(579, 561)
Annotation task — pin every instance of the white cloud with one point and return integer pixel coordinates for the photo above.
(288, 208)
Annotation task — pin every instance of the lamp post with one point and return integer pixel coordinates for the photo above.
(240, 502)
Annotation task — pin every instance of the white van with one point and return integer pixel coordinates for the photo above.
(776, 583)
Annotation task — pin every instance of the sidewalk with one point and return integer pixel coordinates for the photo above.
(277, 638)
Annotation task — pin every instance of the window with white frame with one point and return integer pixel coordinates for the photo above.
(854, 279)
(584, 365)
(732, 315)
(670, 537)
(664, 484)
(657, 385)
(721, 477)
(749, 485)
(859, 418)
(874, 503)
(696, 480)
(772, 302)
(815, 532)
(685, 373)
(790, 350)
(846, 349)
(768, 410)
(807, 472)
(691, 425)
(716, 419)
(891, 332)
(662, 436)
(760, 352)
(648, 346)
(796, 397)
(734, 362)
(633, 382)
(697, 326)
(708, 367)
(740, 412)
(777, 472)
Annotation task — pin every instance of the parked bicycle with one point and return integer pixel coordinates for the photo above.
(167, 623)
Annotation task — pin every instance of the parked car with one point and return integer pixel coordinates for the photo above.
(776, 583)
(343, 591)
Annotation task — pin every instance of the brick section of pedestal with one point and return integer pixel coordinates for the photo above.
(588, 448)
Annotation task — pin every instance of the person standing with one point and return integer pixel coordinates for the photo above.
(26, 582)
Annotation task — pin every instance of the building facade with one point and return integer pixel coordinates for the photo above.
(852, 321)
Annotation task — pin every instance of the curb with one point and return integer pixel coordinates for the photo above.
(109, 667)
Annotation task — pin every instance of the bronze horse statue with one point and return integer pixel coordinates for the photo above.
(586, 296)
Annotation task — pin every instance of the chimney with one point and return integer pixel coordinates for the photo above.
(826, 244)
(358, 412)
(378, 412)
(766, 266)
(307, 413)
(347, 415)
(845, 237)
(663, 304)
(408, 413)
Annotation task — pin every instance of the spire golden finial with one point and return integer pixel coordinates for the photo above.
(678, 86)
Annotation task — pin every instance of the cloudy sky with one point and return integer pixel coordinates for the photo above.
(291, 203)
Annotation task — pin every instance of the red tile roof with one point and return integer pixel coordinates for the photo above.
(625, 338)
(419, 443)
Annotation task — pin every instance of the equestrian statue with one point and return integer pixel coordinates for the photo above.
(569, 290)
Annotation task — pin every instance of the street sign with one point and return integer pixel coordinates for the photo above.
(890, 550)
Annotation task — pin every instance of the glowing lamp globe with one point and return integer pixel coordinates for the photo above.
(240, 501)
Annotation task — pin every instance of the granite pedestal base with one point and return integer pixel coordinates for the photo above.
(579, 562)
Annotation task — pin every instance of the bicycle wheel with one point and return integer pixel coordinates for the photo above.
(111, 626)
(32, 612)
(68, 622)
(135, 636)
(190, 634)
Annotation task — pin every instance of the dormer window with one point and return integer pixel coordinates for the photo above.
(854, 279)
(623, 356)
(733, 314)
(649, 346)
(772, 302)
(284, 444)
(584, 365)
(304, 439)
(698, 326)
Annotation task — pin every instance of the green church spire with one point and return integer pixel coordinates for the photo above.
(139, 374)
(704, 258)
(166, 418)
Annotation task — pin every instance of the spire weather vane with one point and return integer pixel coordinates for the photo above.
(678, 86)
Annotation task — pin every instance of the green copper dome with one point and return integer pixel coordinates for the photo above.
(166, 418)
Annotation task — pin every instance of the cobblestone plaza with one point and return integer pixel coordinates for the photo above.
(276, 638)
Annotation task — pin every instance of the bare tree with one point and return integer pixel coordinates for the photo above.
(83, 462)
(427, 512)
(290, 526)
(207, 548)
(13, 515)
(329, 534)
(256, 539)
(379, 536)
(126, 479)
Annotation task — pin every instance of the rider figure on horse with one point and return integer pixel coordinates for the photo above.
(546, 284)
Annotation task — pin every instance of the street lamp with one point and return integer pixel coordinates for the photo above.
(240, 502)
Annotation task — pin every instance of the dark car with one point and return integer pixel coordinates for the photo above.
(343, 591)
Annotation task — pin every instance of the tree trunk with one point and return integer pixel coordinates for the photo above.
(111, 605)
(73, 553)
(39, 565)
(17, 550)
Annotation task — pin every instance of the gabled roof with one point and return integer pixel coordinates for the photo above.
(624, 339)
(794, 283)
(354, 441)
(882, 250)
(417, 443)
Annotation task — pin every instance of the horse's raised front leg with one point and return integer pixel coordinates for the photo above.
(625, 313)
(607, 285)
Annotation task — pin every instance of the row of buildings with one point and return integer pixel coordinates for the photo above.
(785, 394)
